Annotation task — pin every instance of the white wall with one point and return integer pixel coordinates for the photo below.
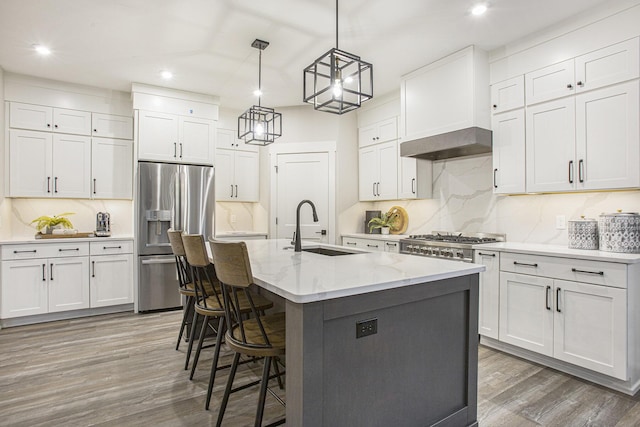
(5, 204)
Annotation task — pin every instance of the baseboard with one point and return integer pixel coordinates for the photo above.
(63, 315)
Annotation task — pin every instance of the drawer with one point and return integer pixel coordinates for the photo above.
(111, 247)
(369, 244)
(47, 250)
(576, 270)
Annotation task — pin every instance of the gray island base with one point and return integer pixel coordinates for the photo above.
(374, 338)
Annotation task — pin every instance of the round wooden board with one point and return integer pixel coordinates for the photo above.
(402, 220)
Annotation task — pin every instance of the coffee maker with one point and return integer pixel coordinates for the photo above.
(103, 224)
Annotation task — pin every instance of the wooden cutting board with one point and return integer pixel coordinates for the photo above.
(402, 219)
(64, 236)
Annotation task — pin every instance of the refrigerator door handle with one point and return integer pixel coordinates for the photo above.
(157, 261)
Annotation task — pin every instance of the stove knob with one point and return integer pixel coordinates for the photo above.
(435, 251)
(460, 254)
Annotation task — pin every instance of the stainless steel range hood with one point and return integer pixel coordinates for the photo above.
(459, 143)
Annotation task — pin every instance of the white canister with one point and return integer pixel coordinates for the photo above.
(583, 233)
(620, 232)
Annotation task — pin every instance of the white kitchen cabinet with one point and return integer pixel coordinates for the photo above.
(382, 131)
(608, 138)
(49, 165)
(550, 146)
(509, 152)
(489, 293)
(111, 168)
(447, 95)
(571, 310)
(111, 280)
(368, 244)
(43, 118)
(44, 278)
(378, 171)
(237, 176)
(554, 81)
(173, 138)
(228, 139)
(507, 95)
(111, 126)
(415, 178)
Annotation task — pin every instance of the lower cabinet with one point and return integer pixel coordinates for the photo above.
(489, 304)
(372, 244)
(42, 278)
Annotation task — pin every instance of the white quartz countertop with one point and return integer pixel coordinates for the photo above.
(559, 251)
(24, 240)
(387, 237)
(307, 277)
(239, 234)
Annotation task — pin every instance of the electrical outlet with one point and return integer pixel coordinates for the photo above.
(561, 222)
(233, 219)
(366, 327)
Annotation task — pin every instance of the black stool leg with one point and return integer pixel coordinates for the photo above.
(214, 364)
(227, 390)
(203, 331)
(194, 322)
(263, 390)
(185, 316)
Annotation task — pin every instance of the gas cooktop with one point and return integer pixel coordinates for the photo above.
(441, 244)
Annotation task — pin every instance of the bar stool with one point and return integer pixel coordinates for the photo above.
(185, 284)
(258, 336)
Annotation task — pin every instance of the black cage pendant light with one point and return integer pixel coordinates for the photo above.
(259, 125)
(338, 81)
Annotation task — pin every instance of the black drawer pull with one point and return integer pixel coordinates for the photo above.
(372, 246)
(111, 247)
(525, 264)
(66, 250)
(485, 254)
(25, 252)
(547, 306)
(391, 244)
(599, 273)
(352, 243)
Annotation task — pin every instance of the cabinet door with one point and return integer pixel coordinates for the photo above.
(27, 116)
(407, 179)
(368, 173)
(30, 170)
(111, 168)
(68, 283)
(71, 121)
(526, 316)
(111, 280)
(509, 152)
(607, 135)
(157, 136)
(392, 247)
(110, 126)
(368, 135)
(24, 288)
(228, 139)
(368, 244)
(388, 171)
(225, 190)
(590, 327)
(550, 82)
(196, 140)
(71, 166)
(489, 307)
(387, 130)
(610, 65)
(246, 176)
(507, 95)
(550, 147)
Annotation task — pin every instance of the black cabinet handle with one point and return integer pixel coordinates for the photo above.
(55, 126)
(44, 272)
(48, 125)
(111, 247)
(373, 189)
(93, 269)
(580, 83)
(546, 302)
(558, 290)
(378, 189)
(51, 271)
(175, 149)
(495, 106)
(413, 185)
(25, 252)
(391, 244)
(352, 243)
(570, 171)
(55, 184)
(67, 250)
(181, 150)
(48, 184)
(94, 186)
(525, 264)
(581, 170)
(236, 191)
(486, 254)
(371, 246)
(231, 190)
(599, 273)
(569, 86)
(495, 181)
(95, 130)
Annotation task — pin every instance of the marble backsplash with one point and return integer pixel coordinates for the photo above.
(464, 201)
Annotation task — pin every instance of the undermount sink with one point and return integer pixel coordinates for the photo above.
(329, 251)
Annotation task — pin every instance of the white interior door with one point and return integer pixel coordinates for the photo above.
(303, 176)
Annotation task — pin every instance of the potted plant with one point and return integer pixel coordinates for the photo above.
(385, 222)
(48, 223)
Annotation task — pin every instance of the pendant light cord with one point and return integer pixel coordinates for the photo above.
(259, 78)
(336, 24)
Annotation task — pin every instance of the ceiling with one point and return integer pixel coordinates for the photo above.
(207, 43)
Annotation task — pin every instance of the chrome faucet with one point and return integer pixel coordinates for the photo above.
(296, 237)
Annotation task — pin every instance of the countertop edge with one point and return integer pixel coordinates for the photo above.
(559, 251)
(384, 237)
(24, 241)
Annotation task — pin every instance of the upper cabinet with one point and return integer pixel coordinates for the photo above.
(447, 95)
(111, 168)
(227, 139)
(379, 172)
(111, 126)
(507, 95)
(237, 169)
(43, 118)
(173, 138)
(383, 131)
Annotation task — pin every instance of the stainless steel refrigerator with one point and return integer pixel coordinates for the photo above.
(174, 196)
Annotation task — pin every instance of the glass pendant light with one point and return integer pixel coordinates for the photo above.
(338, 81)
(259, 125)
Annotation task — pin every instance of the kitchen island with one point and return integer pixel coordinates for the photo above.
(416, 361)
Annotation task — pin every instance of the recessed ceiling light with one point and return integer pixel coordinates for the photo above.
(42, 50)
(479, 9)
(167, 75)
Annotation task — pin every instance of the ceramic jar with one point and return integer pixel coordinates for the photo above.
(620, 232)
(583, 233)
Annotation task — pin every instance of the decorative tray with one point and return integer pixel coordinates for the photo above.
(64, 236)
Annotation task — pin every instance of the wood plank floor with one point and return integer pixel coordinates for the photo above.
(123, 370)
